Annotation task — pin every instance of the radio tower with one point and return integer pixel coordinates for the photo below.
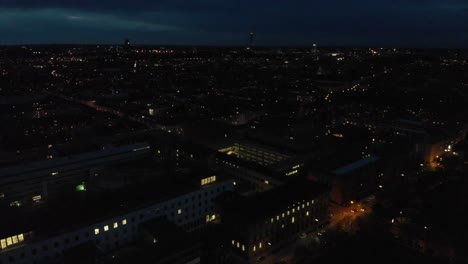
(251, 43)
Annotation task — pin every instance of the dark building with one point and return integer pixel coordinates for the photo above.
(256, 225)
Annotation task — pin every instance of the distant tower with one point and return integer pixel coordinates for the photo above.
(320, 71)
(315, 52)
(126, 43)
(251, 43)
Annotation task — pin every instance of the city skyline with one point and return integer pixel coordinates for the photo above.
(419, 24)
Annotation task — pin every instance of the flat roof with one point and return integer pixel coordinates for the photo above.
(64, 161)
(356, 165)
(268, 203)
(78, 209)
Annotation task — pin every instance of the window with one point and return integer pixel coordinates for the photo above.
(37, 198)
(3, 243)
(96, 231)
(116, 225)
(292, 220)
(179, 211)
(124, 222)
(106, 228)
(208, 180)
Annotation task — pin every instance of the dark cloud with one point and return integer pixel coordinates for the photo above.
(338, 22)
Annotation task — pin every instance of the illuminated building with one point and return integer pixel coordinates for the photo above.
(260, 166)
(109, 225)
(259, 224)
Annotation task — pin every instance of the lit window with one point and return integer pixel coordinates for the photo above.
(243, 248)
(124, 222)
(55, 173)
(277, 217)
(307, 213)
(292, 220)
(179, 211)
(238, 245)
(272, 220)
(106, 228)
(293, 210)
(9, 242)
(96, 231)
(282, 215)
(37, 198)
(233, 242)
(254, 248)
(260, 245)
(116, 225)
(3, 244)
(20, 237)
(209, 180)
(81, 187)
(287, 212)
(15, 239)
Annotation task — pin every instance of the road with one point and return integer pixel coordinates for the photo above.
(92, 104)
(342, 219)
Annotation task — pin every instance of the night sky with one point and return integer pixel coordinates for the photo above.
(390, 23)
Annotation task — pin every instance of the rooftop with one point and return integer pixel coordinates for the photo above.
(261, 207)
